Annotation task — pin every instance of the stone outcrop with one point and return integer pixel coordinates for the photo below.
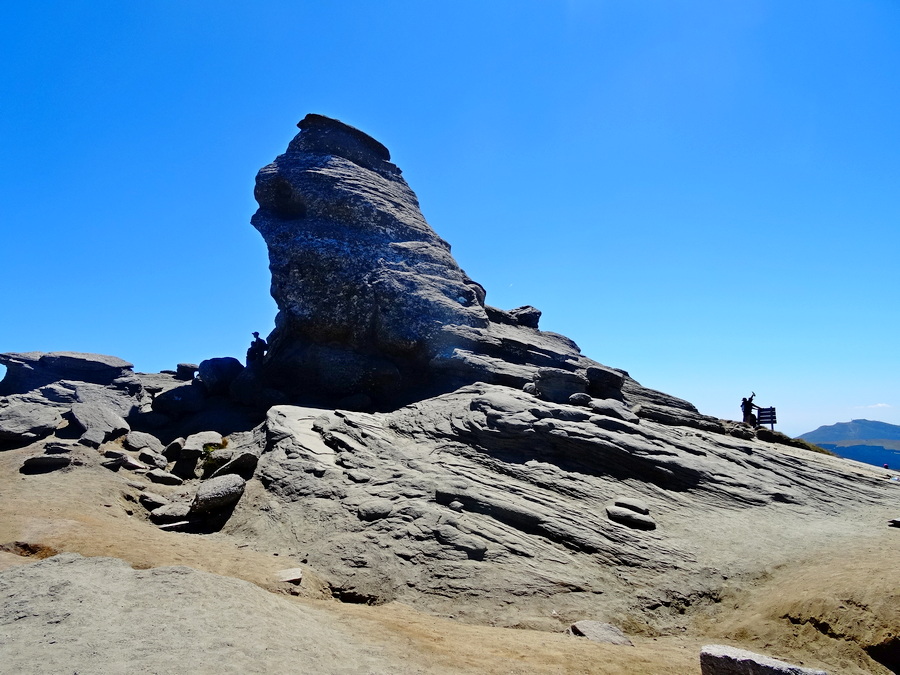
(724, 660)
(373, 309)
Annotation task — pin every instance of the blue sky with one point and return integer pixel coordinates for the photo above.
(701, 193)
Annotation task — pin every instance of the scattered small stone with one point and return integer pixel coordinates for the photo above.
(170, 513)
(151, 500)
(138, 440)
(358, 476)
(456, 505)
(599, 632)
(724, 660)
(173, 449)
(132, 464)
(153, 458)
(375, 509)
(57, 448)
(164, 477)
(580, 399)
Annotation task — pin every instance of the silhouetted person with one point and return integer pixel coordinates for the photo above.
(257, 350)
(747, 406)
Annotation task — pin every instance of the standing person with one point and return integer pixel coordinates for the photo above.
(257, 349)
(747, 406)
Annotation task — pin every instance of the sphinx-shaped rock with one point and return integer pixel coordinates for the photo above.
(363, 284)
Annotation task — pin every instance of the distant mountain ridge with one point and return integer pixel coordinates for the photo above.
(868, 441)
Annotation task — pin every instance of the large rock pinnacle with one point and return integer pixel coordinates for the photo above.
(363, 285)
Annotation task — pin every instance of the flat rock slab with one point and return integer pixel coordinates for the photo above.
(290, 576)
(599, 632)
(27, 422)
(45, 463)
(138, 440)
(163, 477)
(724, 660)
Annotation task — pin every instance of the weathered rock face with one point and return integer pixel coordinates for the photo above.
(458, 502)
(93, 391)
(363, 284)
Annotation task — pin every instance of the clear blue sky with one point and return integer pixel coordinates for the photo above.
(702, 193)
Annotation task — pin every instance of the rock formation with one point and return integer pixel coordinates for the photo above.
(371, 303)
(407, 441)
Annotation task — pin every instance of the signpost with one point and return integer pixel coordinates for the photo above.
(766, 416)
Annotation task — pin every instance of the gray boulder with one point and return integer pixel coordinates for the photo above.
(99, 423)
(163, 477)
(147, 456)
(724, 660)
(138, 440)
(526, 316)
(217, 494)
(186, 398)
(217, 374)
(45, 463)
(24, 423)
(173, 512)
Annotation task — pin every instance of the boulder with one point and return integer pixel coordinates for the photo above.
(172, 512)
(526, 316)
(163, 477)
(186, 371)
(599, 632)
(217, 494)
(217, 374)
(187, 398)
(99, 423)
(724, 660)
(147, 456)
(151, 500)
(139, 440)
(173, 449)
(24, 423)
(375, 509)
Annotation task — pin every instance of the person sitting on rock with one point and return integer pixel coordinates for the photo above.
(257, 349)
(747, 406)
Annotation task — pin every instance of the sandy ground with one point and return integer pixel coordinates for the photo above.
(830, 603)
